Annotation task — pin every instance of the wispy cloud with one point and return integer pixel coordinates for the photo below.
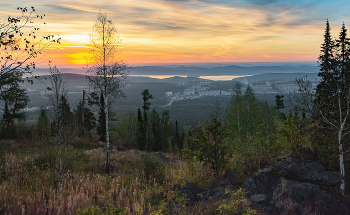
(221, 30)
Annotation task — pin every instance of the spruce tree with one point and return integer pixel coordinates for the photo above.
(327, 87)
(333, 92)
(65, 114)
(89, 118)
(279, 102)
(146, 96)
(166, 129)
(141, 130)
(43, 125)
(6, 117)
(15, 99)
(155, 139)
(177, 138)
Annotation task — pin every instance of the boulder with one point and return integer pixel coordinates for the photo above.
(229, 175)
(306, 171)
(191, 191)
(221, 194)
(162, 156)
(220, 183)
(258, 198)
(311, 197)
(264, 182)
(295, 186)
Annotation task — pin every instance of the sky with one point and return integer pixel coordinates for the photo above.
(191, 31)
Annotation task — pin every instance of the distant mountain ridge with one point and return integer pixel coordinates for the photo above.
(195, 71)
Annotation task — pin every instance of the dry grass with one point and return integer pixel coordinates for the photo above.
(26, 189)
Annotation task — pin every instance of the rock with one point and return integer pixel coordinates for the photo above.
(220, 183)
(207, 194)
(294, 187)
(264, 182)
(162, 156)
(221, 194)
(258, 198)
(191, 191)
(306, 171)
(230, 175)
(311, 196)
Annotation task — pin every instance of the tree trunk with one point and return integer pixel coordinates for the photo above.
(107, 137)
(61, 172)
(341, 162)
(82, 115)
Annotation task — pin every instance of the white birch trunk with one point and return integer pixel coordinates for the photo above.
(107, 137)
(341, 162)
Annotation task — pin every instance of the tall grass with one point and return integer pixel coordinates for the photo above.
(27, 189)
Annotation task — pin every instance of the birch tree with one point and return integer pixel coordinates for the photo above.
(60, 149)
(106, 73)
(20, 46)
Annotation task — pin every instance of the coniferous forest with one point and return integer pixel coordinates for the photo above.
(72, 161)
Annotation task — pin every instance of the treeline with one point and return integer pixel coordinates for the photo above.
(128, 131)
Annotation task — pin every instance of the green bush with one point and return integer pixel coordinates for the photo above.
(151, 167)
(237, 204)
(208, 143)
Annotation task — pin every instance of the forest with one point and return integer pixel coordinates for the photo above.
(71, 162)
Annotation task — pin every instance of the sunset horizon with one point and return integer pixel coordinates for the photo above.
(189, 32)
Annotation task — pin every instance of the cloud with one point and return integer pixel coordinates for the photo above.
(65, 9)
(218, 28)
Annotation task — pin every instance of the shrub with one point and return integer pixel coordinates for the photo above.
(151, 167)
(237, 204)
(208, 144)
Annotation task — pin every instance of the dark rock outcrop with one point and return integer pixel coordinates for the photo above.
(296, 186)
(162, 156)
(306, 171)
(192, 192)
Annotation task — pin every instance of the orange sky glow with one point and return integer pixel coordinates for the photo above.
(191, 31)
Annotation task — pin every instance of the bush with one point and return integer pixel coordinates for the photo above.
(208, 144)
(237, 205)
(151, 167)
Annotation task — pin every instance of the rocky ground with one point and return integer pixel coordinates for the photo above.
(291, 186)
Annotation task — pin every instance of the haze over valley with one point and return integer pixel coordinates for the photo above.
(176, 88)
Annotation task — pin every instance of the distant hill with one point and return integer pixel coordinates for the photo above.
(278, 76)
(195, 71)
